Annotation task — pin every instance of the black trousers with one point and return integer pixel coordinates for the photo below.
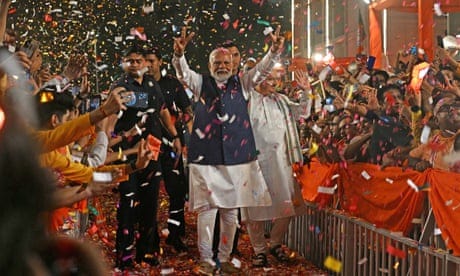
(138, 205)
(176, 185)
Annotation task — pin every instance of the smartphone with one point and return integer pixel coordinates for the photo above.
(138, 100)
(29, 47)
(370, 63)
(94, 102)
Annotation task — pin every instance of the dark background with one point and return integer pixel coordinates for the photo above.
(63, 26)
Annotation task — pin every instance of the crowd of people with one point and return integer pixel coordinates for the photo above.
(227, 147)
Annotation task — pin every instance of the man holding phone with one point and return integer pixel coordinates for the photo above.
(139, 196)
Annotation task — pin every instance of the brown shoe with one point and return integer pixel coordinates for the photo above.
(206, 269)
(229, 268)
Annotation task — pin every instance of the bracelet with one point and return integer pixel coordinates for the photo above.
(176, 137)
(103, 111)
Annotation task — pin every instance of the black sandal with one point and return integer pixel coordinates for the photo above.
(279, 254)
(260, 260)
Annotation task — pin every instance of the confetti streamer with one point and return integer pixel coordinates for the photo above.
(412, 185)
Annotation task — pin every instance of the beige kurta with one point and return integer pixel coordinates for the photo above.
(269, 127)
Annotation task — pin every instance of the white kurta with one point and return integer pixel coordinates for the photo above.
(269, 127)
(226, 186)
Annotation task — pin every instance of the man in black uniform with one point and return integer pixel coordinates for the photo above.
(175, 181)
(139, 195)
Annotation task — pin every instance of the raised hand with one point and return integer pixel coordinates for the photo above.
(181, 42)
(115, 102)
(75, 66)
(302, 79)
(277, 40)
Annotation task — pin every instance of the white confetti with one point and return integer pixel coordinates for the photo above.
(148, 9)
(232, 119)
(365, 175)
(223, 118)
(389, 180)
(362, 261)
(167, 271)
(327, 190)
(199, 158)
(268, 30)
(172, 221)
(200, 133)
(412, 185)
(236, 262)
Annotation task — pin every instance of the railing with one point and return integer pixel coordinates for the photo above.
(362, 248)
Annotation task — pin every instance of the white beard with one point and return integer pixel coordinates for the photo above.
(221, 77)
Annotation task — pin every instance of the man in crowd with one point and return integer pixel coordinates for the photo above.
(172, 165)
(224, 172)
(139, 195)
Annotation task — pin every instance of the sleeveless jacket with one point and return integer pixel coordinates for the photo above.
(222, 133)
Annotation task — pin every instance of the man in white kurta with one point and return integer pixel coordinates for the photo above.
(276, 137)
(224, 172)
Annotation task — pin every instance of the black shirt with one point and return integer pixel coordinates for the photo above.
(176, 100)
(133, 115)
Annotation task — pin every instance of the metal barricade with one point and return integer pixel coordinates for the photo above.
(362, 248)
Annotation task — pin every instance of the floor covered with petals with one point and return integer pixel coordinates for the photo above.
(172, 263)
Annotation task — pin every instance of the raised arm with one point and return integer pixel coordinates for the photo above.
(183, 72)
(257, 74)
